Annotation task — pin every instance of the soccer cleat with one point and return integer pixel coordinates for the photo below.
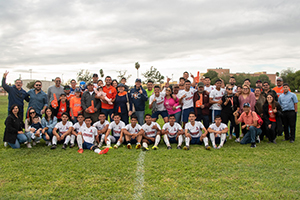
(154, 147)
(237, 140)
(138, 146)
(72, 145)
(129, 146)
(178, 147)
(145, 148)
(53, 146)
(29, 145)
(169, 147)
(116, 146)
(80, 151)
(104, 151)
(64, 146)
(186, 148)
(215, 146)
(207, 147)
(99, 145)
(253, 145)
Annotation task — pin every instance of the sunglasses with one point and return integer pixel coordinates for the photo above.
(245, 88)
(168, 90)
(38, 85)
(31, 112)
(229, 88)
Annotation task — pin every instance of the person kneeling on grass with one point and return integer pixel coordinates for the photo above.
(151, 132)
(35, 130)
(64, 129)
(76, 128)
(117, 134)
(101, 126)
(193, 133)
(218, 132)
(251, 128)
(132, 133)
(172, 132)
(86, 137)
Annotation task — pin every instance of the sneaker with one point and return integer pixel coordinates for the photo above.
(230, 137)
(207, 147)
(219, 147)
(24, 142)
(253, 145)
(104, 151)
(39, 141)
(178, 147)
(99, 145)
(292, 141)
(186, 148)
(129, 146)
(258, 139)
(46, 143)
(33, 143)
(5, 144)
(154, 147)
(214, 146)
(80, 151)
(169, 147)
(145, 148)
(64, 146)
(138, 146)
(29, 145)
(53, 146)
(49, 144)
(116, 146)
(72, 145)
(274, 141)
(238, 140)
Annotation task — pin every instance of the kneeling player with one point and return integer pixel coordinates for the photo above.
(64, 129)
(193, 133)
(117, 134)
(217, 132)
(86, 137)
(172, 132)
(101, 126)
(80, 123)
(151, 132)
(132, 133)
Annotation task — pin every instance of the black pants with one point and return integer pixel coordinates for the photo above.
(289, 121)
(229, 117)
(272, 131)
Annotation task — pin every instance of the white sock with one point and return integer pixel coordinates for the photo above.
(72, 139)
(101, 140)
(166, 139)
(205, 140)
(118, 143)
(145, 145)
(108, 142)
(97, 150)
(179, 140)
(212, 138)
(54, 140)
(187, 141)
(67, 140)
(223, 138)
(138, 143)
(79, 141)
(157, 140)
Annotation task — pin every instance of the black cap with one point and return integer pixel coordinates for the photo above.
(66, 87)
(258, 81)
(95, 75)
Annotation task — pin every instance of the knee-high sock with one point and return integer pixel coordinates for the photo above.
(205, 140)
(54, 140)
(67, 140)
(72, 139)
(118, 143)
(179, 140)
(187, 141)
(166, 139)
(108, 142)
(223, 138)
(145, 145)
(157, 140)
(212, 138)
(97, 150)
(101, 140)
(79, 141)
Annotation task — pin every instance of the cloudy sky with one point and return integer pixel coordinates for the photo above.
(58, 38)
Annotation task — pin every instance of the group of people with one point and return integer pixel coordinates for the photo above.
(95, 115)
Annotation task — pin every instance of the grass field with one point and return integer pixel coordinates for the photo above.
(233, 172)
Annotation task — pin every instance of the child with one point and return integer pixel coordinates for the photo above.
(99, 92)
(37, 134)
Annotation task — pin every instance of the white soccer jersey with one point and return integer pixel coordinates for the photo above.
(100, 126)
(216, 95)
(196, 130)
(218, 128)
(172, 129)
(187, 101)
(209, 88)
(77, 126)
(149, 131)
(133, 130)
(234, 89)
(159, 101)
(88, 134)
(116, 128)
(63, 128)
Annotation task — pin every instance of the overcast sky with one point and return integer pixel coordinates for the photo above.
(58, 38)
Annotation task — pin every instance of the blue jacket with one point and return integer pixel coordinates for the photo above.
(37, 101)
(138, 99)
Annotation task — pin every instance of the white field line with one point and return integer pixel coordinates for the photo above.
(139, 180)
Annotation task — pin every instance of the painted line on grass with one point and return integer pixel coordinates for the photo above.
(139, 180)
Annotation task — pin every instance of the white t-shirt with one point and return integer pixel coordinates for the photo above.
(77, 126)
(209, 88)
(116, 128)
(132, 130)
(187, 101)
(159, 101)
(172, 129)
(234, 89)
(196, 130)
(149, 131)
(63, 128)
(216, 95)
(88, 134)
(100, 126)
(218, 128)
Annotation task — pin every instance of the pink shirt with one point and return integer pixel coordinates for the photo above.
(169, 103)
(250, 99)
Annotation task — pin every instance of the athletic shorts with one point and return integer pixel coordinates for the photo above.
(150, 141)
(218, 140)
(185, 114)
(87, 145)
(172, 140)
(196, 140)
(163, 113)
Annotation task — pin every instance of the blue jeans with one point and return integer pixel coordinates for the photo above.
(107, 113)
(75, 120)
(140, 116)
(178, 117)
(50, 133)
(29, 134)
(214, 113)
(21, 138)
(250, 136)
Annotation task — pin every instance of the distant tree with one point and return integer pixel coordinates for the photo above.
(212, 75)
(84, 75)
(101, 73)
(225, 78)
(30, 85)
(137, 67)
(284, 74)
(154, 75)
(292, 78)
(122, 74)
(277, 73)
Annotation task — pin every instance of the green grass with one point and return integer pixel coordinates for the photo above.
(233, 172)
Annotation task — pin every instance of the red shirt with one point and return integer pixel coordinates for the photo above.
(62, 109)
(272, 116)
(111, 93)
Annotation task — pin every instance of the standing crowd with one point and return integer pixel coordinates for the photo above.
(96, 115)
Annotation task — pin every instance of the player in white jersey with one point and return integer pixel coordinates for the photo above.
(194, 134)
(151, 132)
(159, 98)
(215, 98)
(101, 126)
(172, 132)
(207, 86)
(117, 134)
(132, 133)
(186, 99)
(217, 132)
(80, 122)
(86, 138)
(64, 129)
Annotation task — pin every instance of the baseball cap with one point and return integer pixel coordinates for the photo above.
(121, 85)
(138, 80)
(200, 84)
(63, 94)
(66, 87)
(258, 81)
(246, 104)
(77, 90)
(279, 79)
(95, 75)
